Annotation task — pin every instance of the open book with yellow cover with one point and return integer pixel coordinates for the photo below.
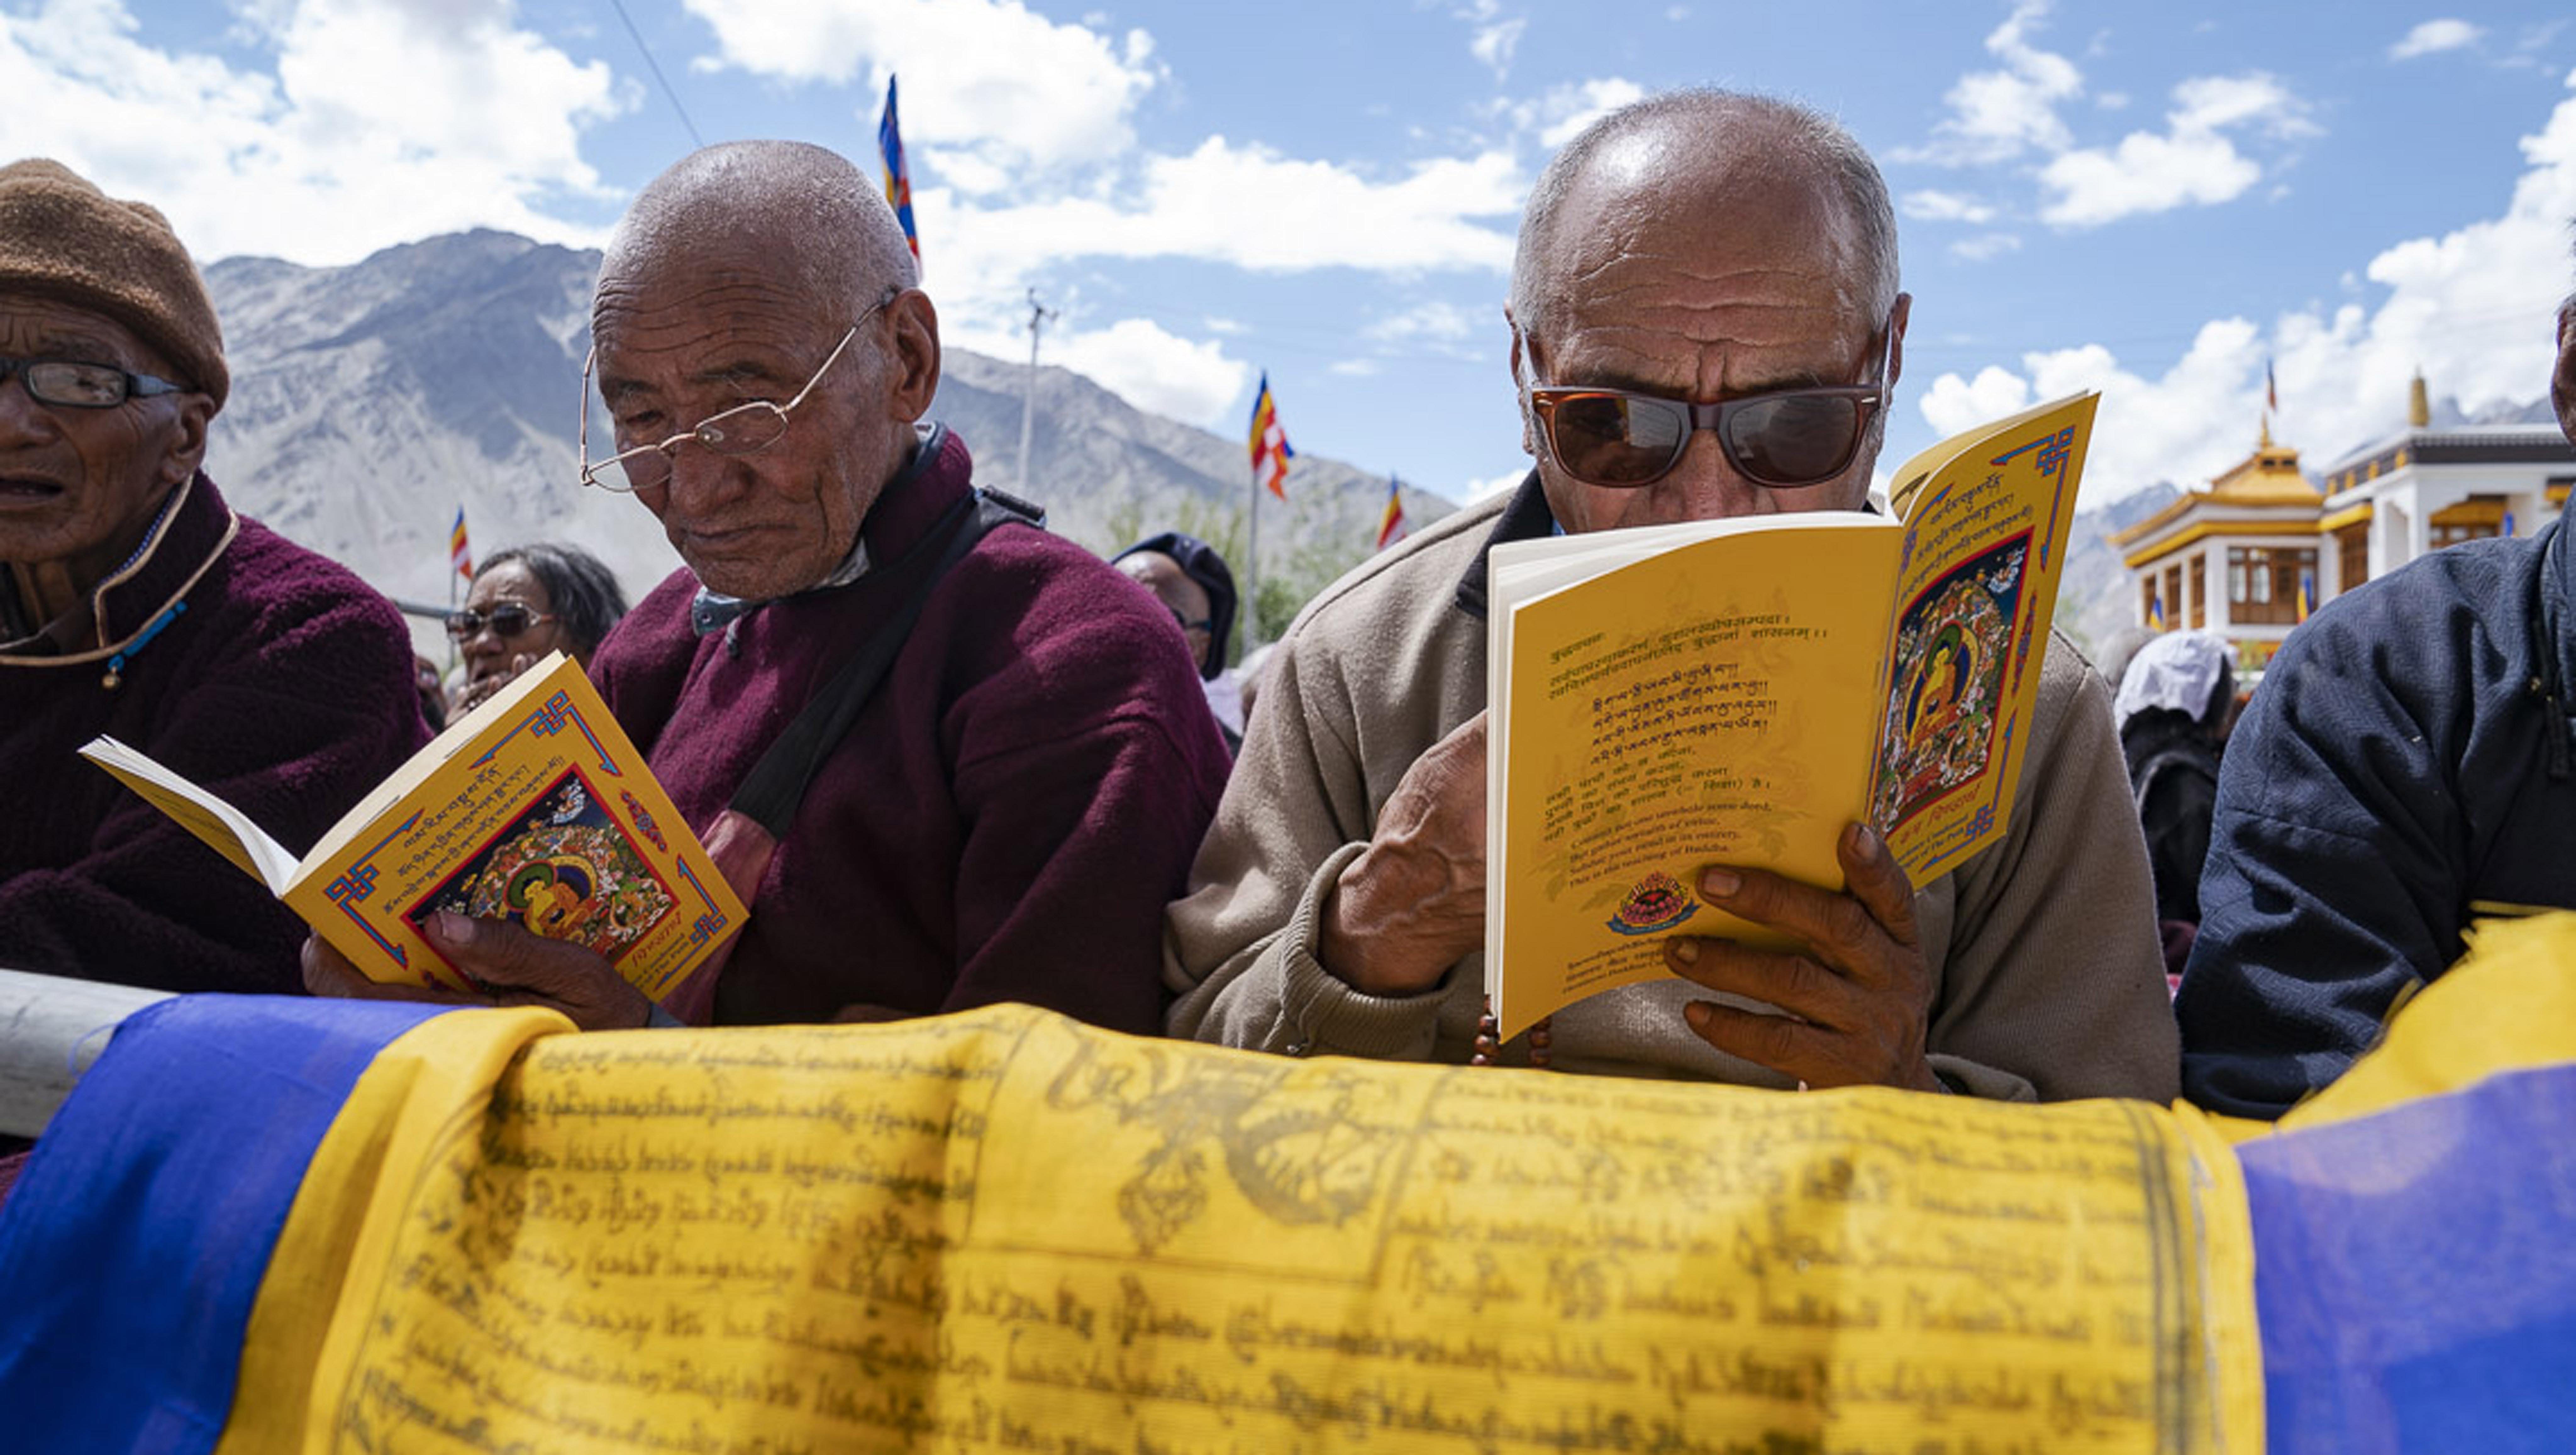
(1736, 691)
(533, 808)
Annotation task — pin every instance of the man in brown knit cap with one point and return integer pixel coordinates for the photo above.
(134, 602)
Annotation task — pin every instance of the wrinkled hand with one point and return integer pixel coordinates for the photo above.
(470, 695)
(1857, 1000)
(513, 967)
(1413, 903)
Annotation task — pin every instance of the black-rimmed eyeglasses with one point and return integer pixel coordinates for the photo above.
(79, 384)
(745, 429)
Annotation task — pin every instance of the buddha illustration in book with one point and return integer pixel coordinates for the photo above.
(1936, 691)
(1952, 649)
(565, 870)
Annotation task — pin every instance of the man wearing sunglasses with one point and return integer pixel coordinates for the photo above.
(134, 601)
(1706, 322)
(1004, 814)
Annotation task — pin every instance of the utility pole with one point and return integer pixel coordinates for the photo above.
(1039, 317)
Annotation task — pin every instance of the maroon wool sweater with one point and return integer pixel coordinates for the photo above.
(285, 687)
(1006, 818)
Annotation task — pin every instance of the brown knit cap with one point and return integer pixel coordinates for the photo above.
(62, 238)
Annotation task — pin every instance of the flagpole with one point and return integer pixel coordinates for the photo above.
(1252, 570)
(452, 576)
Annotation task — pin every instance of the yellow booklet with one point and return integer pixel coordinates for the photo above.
(1736, 691)
(533, 808)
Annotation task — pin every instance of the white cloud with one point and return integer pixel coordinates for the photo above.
(1495, 43)
(2144, 173)
(2435, 35)
(1243, 206)
(2473, 307)
(1934, 206)
(2189, 163)
(1155, 370)
(990, 76)
(1996, 116)
(2207, 103)
(383, 121)
(1495, 36)
(1436, 322)
(1985, 247)
(1223, 327)
(1492, 485)
(1355, 368)
(1565, 109)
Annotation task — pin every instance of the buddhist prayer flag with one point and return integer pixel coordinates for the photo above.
(282, 1223)
(1270, 450)
(2156, 612)
(1390, 522)
(898, 177)
(457, 554)
(2307, 593)
(2271, 392)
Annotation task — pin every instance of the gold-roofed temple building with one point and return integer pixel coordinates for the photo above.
(2253, 554)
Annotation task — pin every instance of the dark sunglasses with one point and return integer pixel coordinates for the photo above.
(506, 620)
(1621, 440)
(1203, 624)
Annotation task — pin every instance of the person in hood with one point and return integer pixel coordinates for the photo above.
(2172, 708)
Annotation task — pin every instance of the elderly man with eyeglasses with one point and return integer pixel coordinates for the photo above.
(1705, 322)
(946, 758)
(135, 602)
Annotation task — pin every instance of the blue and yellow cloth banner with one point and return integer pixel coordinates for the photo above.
(898, 176)
(288, 1225)
(458, 556)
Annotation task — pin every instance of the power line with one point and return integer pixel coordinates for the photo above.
(655, 67)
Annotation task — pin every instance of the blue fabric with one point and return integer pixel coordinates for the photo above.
(2415, 1274)
(132, 1247)
(2407, 756)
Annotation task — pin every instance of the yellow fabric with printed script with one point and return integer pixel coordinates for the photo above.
(1003, 1230)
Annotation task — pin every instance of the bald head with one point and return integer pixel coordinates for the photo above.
(800, 209)
(1709, 153)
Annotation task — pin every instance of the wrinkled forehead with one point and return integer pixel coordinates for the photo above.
(1644, 222)
(509, 581)
(32, 323)
(706, 258)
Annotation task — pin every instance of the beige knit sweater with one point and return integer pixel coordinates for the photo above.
(2047, 980)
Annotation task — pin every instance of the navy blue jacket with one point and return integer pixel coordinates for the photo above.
(2403, 769)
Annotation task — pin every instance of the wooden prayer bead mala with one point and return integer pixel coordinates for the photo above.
(1489, 1040)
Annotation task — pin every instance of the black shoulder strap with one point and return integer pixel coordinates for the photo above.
(770, 793)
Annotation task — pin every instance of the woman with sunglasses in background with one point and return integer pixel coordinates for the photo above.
(525, 602)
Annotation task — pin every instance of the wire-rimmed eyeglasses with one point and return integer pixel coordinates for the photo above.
(745, 429)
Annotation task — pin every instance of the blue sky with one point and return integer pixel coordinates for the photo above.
(2149, 199)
